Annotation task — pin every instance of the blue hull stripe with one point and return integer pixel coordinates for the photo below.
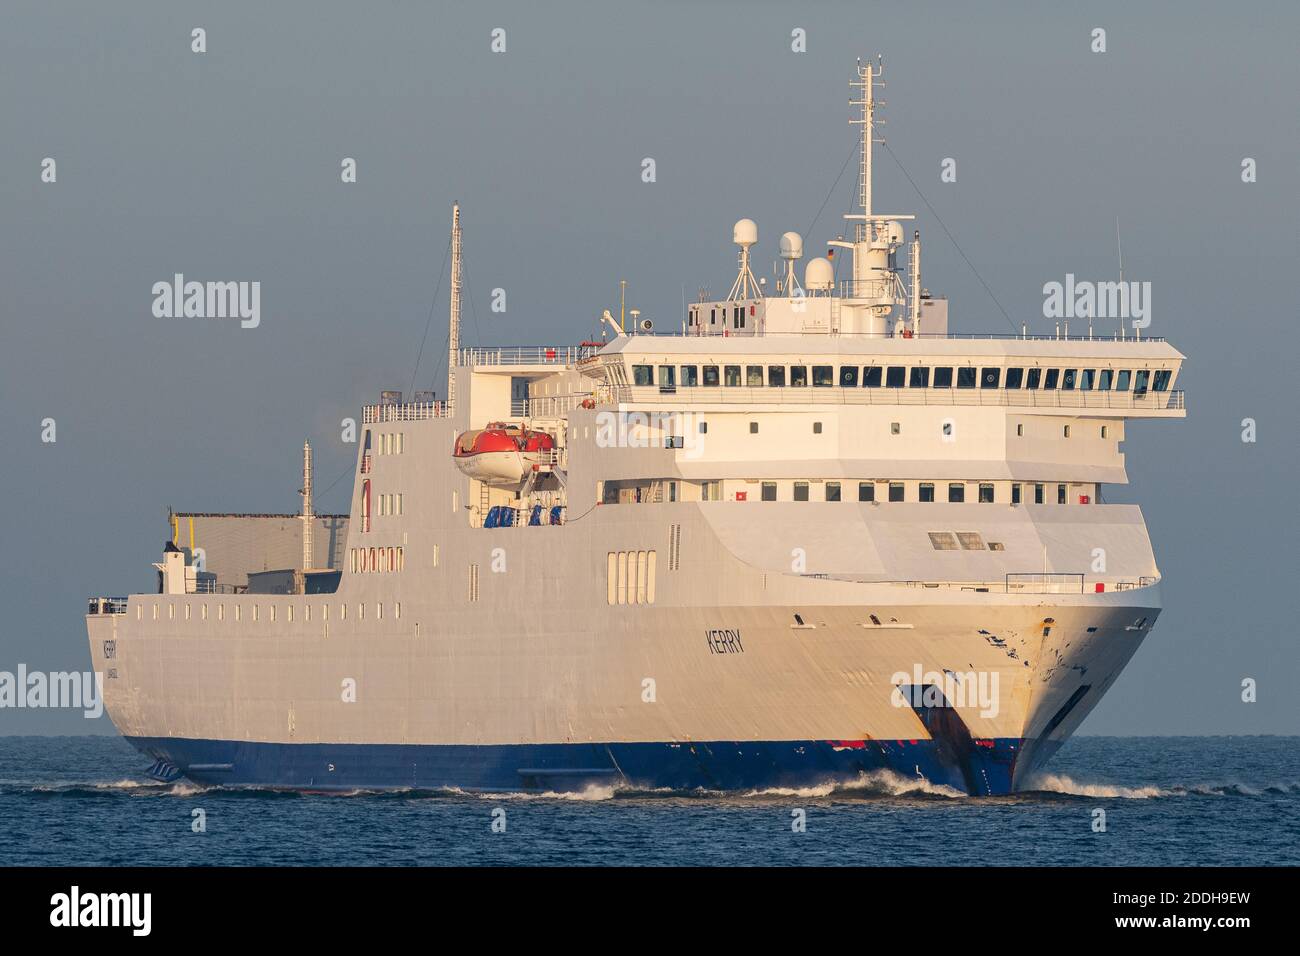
(987, 767)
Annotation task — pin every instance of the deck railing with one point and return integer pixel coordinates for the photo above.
(559, 355)
(403, 412)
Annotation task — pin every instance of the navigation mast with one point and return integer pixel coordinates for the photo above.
(453, 337)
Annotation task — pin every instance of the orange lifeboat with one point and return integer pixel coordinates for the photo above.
(501, 454)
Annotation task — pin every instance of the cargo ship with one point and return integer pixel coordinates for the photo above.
(808, 534)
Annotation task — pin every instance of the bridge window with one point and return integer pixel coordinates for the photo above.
(926, 491)
(798, 376)
(710, 376)
(754, 376)
(1067, 379)
(966, 376)
(986, 493)
(1123, 380)
(1015, 376)
(1087, 380)
(1035, 378)
(1052, 378)
(871, 376)
(895, 491)
(776, 376)
(894, 376)
(1161, 383)
(943, 377)
(920, 377)
(801, 491)
(1105, 379)
(667, 376)
(990, 377)
(832, 491)
(823, 376)
(1140, 384)
(690, 376)
(769, 491)
(731, 375)
(866, 491)
(956, 492)
(643, 375)
(848, 376)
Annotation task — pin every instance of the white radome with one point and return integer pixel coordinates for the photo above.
(819, 275)
(745, 233)
(791, 246)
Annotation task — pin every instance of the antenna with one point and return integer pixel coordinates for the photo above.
(453, 337)
(745, 234)
(1119, 247)
(867, 75)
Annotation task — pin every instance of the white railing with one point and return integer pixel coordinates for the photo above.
(560, 355)
(404, 412)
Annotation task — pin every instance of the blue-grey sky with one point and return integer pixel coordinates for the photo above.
(225, 165)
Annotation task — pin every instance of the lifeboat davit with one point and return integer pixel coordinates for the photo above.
(501, 454)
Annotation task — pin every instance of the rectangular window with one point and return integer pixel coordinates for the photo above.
(1087, 379)
(1105, 379)
(769, 491)
(895, 491)
(895, 376)
(710, 376)
(798, 376)
(848, 376)
(1123, 380)
(1034, 378)
(776, 376)
(986, 493)
(943, 540)
(690, 376)
(966, 377)
(1038, 494)
(1015, 494)
(823, 376)
(642, 375)
(956, 492)
(866, 491)
(1140, 383)
(926, 491)
(1051, 379)
(731, 375)
(754, 376)
(871, 376)
(667, 376)
(832, 491)
(1103, 431)
(1068, 378)
(1161, 383)
(990, 378)
(801, 491)
(919, 377)
(1015, 377)
(1061, 492)
(943, 377)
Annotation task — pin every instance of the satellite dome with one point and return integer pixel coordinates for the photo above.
(745, 232)
(791, 246)
(819, 276)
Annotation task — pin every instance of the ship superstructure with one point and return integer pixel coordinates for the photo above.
(810, 534)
